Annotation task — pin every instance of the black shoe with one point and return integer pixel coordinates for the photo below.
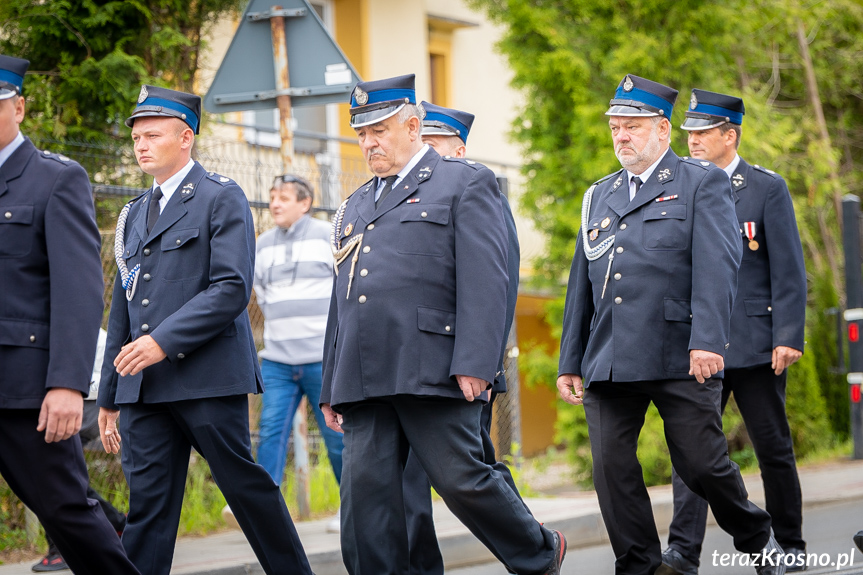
(858, 541)
(770, 561)
(559, 552)
(673, 563)
(53, 561)
(799, 562)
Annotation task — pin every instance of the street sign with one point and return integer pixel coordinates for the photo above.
(319, 72)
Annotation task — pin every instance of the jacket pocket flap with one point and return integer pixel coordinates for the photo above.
(434, 213)
(435, 320)
(174, 239)
(16, 214)
(21, 333)
(760, 306)
(678, 310)
(131, 247)
(659, 212)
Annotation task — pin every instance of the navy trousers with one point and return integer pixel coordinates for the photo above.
(157, 441)
(445, 436)
(693, 429)
(51, 479)
(760, 396)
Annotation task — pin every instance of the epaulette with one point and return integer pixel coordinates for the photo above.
(222, 180)
(464, 161)
(770, 173)
(56, 157)
(608, 177)
(703, 164)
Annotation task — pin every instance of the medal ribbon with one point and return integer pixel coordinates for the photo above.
(749, 228)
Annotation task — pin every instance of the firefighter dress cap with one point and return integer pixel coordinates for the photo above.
(373, 102)
(12, 72)
(155, 101)
(709, 110)
(440, 121)
(639, 97)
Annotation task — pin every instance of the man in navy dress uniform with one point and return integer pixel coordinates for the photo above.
(766, 332)
(51, 281)
(446, 131)
(180, 357)
(413, 341)
(647, 316)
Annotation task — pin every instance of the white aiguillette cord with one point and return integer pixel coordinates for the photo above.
(605, 245)
(341, 253)
(128, 278)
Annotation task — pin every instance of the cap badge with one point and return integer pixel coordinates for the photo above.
(693, 102)
(604, 223)
(349, 228)
(628, 85)
(594, 234)
(143, 94)
(361, 97)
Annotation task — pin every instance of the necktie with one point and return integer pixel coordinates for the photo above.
(637, 181)
(388, 187)
(153, 210)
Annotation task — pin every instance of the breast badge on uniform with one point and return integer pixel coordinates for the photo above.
(663, 174)
(737, 180)
(604, 223)
(413, 201)
(749, 229)
(349, 228)
(593, 235)
(667, 198)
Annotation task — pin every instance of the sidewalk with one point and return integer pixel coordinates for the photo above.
(575, 513)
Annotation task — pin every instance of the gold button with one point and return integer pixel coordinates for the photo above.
(364, 273)
(448, 328)
(32, 338)
(145, 327)
(367, 249)
(623, 226)
(620, 250)
(362, 299)
(8, 215)
(618, 300)
(424, 214)
(370, 227)
(617, 276)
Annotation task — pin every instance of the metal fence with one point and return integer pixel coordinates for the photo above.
(116, 178)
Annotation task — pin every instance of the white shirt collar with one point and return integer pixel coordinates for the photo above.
(171, 184)
(729, 169)
(11, 147)
(404, 171)
(645, 175)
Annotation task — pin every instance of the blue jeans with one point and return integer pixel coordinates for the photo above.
(285, 385)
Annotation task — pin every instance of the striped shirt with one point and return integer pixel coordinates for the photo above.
(293, 283)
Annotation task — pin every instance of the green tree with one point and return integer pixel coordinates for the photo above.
(795, 67)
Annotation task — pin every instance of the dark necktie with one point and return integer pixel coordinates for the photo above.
(388, 187)
(637, 181)
(153, 210)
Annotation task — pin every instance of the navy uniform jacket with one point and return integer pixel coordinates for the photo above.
(513, 261)
(672, 281)
(428, 295)
(770, 308)
(195, 281)
(50, 277)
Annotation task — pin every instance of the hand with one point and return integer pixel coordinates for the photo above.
(135, 356)
(704, 364)
(471, 387)
(783, 357)
(61, 413)
(108, 429)
(570, 388)
(334, 420)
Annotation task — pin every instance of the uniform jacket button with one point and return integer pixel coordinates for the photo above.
(619, 250)
(370, 227)
(364, 273)
(367, 249)
(32, 338)
(362, 299)
(617, 276)
(146, 251)
(179, 242)
(8, 215)
(622, 226)
(147, 277)
(145, 302)
(424, 214)
(618, 300)
(145, 327)
(181, 355)
(770, 308)
(448, 328)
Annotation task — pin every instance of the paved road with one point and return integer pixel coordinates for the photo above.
(827, 530)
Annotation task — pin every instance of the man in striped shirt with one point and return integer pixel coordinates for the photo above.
(293, 282)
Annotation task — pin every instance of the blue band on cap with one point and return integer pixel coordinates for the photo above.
(734, 117)
(191, 117)
(448, 120)
(12, 78)
(644, 97)
(392, 94)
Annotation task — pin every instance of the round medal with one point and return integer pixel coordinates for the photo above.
(753, 245)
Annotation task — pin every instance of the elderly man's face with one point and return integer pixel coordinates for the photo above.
(388, 145)
(11, 114)
(637, 141)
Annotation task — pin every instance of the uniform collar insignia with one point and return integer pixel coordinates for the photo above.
(663, 174)
(188, 188)
(617, 182)
(737, 179)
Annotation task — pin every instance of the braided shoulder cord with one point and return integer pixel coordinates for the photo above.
(341, 253)
(597, 251)
(129, 279)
